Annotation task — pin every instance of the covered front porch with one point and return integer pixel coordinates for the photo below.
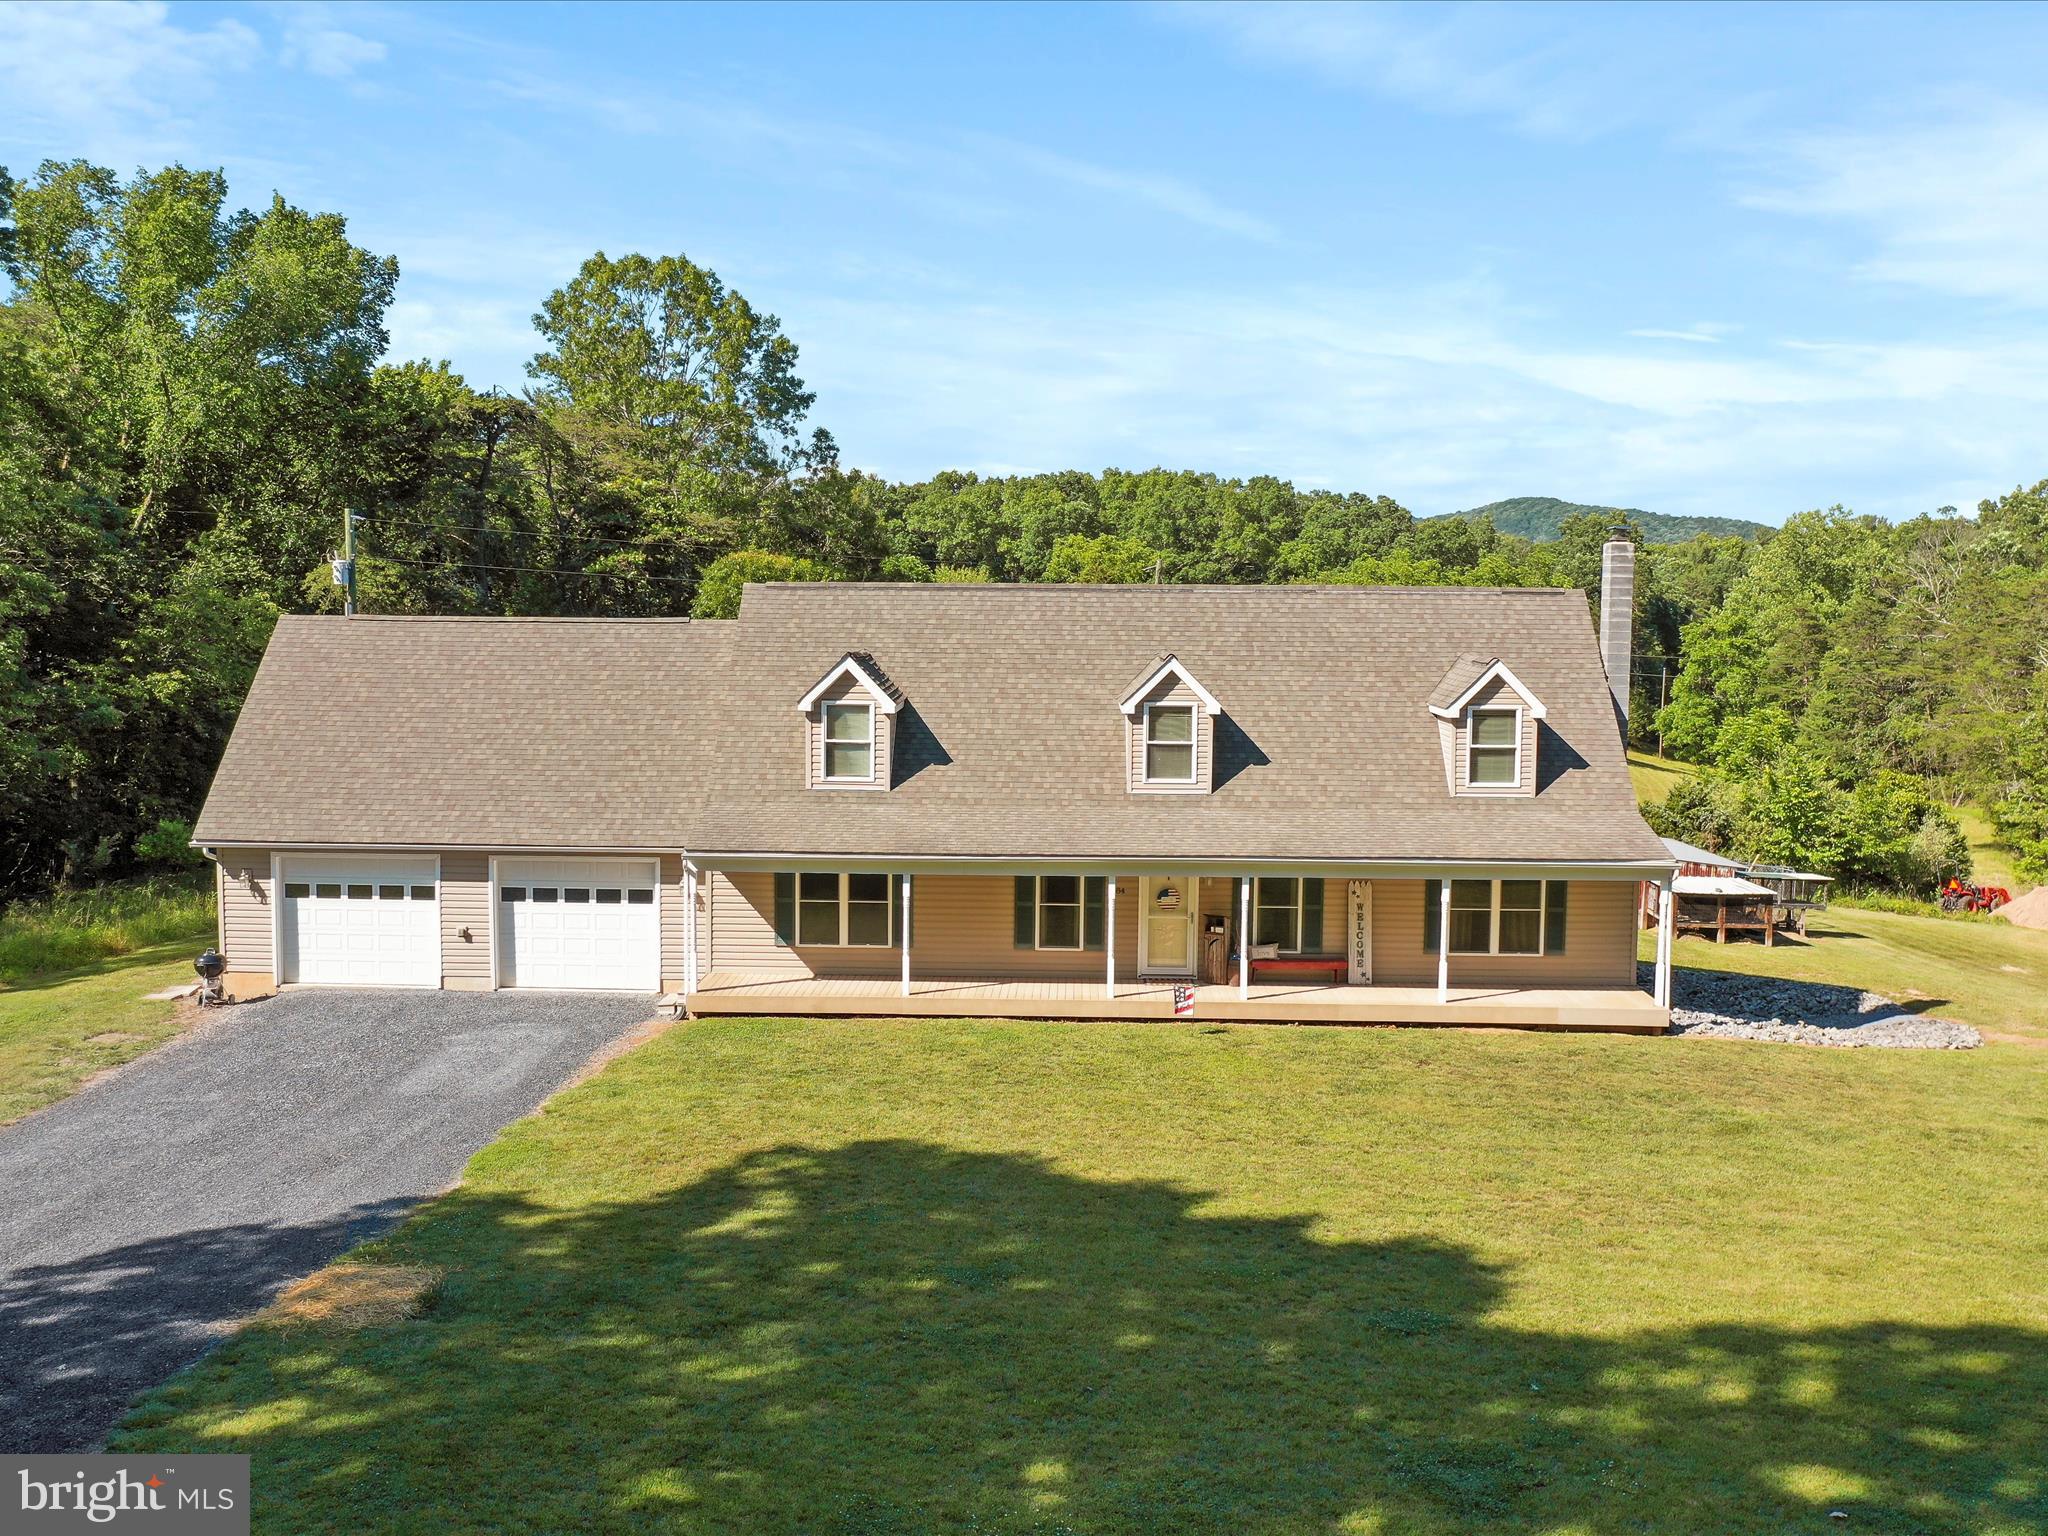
(1419, 944)
(1293, 1002)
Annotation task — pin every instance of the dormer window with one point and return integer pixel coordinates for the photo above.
(1489, 722)
(848, 725)
(849, 742)
(1169, 743)
(1493, 748)
(1169, 731)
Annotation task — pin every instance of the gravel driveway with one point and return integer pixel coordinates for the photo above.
(143, 1216)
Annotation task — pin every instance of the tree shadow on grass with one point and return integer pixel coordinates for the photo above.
(898, 1337)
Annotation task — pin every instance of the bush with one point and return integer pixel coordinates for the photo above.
(75, 928)
(168, 845)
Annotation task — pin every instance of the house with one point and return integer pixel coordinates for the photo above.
(1001, 801)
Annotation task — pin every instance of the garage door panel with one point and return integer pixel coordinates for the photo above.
(360, 921)
(582, 924)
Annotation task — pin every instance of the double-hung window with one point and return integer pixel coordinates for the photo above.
(1493, 748)
(843, 911)
(1276, 913)
(1499, 917)
(1060, 911)
(849, 743)
(1169, 743)
(1289, 913)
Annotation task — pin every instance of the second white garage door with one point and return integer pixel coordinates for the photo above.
(579, 924)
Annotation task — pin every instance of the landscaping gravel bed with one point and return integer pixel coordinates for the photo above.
(1733, 1007)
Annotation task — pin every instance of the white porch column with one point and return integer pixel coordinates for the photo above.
(689, 927)
(1443, 941)
(904, 936)
(1109, 936)
(1667, 934)
(1244, 938)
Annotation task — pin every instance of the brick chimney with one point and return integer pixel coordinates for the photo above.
(1617, 617)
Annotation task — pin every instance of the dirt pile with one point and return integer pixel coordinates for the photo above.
(2030, 910)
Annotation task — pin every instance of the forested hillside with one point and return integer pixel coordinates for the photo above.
(192, 398)
(1543, 518)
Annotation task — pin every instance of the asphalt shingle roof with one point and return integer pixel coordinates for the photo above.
(665, 734)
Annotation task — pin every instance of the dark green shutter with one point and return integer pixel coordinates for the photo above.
(1553, 917)
(1311, 917)
(785, 910)
(1091, 911)
(1024, 912)
(897, 926)
(1432, 915)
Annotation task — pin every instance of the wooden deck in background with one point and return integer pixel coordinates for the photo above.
(757, 992)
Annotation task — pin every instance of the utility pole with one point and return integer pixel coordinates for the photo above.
(345, 567)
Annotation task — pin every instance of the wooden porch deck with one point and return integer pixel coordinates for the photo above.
(760, 992)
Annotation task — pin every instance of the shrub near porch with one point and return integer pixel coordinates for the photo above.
(786, 1275)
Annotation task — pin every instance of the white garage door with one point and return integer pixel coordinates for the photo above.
(587, 924)
(360, 921)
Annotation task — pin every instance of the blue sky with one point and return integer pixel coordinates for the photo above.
(1720, 260)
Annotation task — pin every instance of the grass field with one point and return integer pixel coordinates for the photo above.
(1990, 974)
(785, 1275)
(57, 1030)
(75, 928)
(1653, 776)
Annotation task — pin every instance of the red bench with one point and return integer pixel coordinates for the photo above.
(1337, 967)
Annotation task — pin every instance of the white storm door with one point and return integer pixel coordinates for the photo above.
(1166, 926)
(587, 925)
(360, 921)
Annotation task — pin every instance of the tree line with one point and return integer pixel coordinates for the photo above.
(192, 397)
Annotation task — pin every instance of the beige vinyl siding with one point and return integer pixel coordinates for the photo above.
(960, 926)
(1171, 691)
(247, 920)
(466, 904)
(1495, 693)
(814, 736)
(1599, 941)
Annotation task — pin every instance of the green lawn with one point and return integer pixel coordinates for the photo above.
(1987, 973)
(57, 1030)
(1653, 776)
(798, 1276)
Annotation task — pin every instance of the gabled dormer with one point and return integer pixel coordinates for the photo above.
(1169, 732)
(850, 725)
(1487, 721)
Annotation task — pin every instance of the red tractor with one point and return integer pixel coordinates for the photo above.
(1962, 896)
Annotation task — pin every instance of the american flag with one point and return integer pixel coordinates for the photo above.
(1183, 1002)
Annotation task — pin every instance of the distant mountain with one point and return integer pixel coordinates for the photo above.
(1540, 518)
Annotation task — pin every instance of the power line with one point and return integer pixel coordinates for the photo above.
(581, 538)
(535, 570)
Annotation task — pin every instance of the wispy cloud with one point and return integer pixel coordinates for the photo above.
(313, 40)
(1166, 194)
(968, 175)
(1705, 333)
(1540, 73)
(113, 81)
(1956, 200)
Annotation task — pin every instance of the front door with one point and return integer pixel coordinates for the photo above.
(1358, 931)
(1166, 925)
